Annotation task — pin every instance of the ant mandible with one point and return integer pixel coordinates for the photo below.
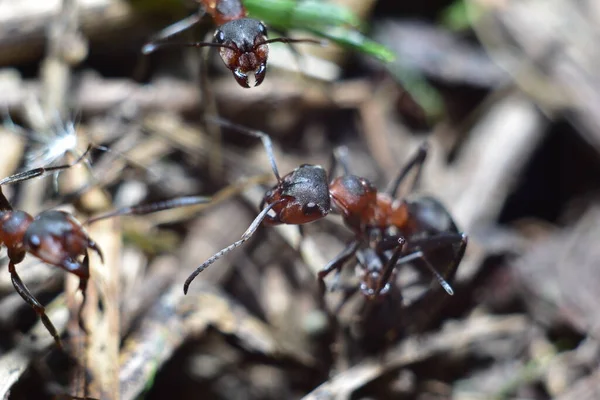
(58, 239)
(400, 230)
(242, 42)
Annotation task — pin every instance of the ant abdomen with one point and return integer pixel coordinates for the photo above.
(430, 215)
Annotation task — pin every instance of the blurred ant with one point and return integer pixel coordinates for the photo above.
(398, 230)
(58, 239)
(242, 42)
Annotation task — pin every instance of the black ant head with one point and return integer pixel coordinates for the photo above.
(370, 284)
(304, 196)
(371, 268)
(245, 49)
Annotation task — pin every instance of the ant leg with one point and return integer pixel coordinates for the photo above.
(348, 293)
(84, 277)
(265, 138)
(337, 263)
(171, 30)
(32, 173)
(339, 156)
(33, 302)
(416, 161)
(152, 207)
(390, 266)
(4, 203)
(440, 240)
(81, 270)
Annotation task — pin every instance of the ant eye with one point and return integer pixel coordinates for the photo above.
(35, 241)
(263, 29)
(219, 36)
(310, 208)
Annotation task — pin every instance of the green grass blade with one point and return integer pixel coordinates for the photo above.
(355, 40)
(331, 21)
(292, 14)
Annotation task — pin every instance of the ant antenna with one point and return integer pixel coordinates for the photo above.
(23, 176)
(171, 30)
(151, 47)
(247, 235)
(151, 208)
(292, 40)
(266, 140)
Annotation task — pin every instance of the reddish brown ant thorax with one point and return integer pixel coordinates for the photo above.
(305, 194)
(13, 225)
(354, 197)
(223, 11)
(246, 50)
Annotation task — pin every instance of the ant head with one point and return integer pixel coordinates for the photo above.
(57, 238)
(304, 196)
(245, 49)
(13, 225)
(371, 267)
(352, 195)
(370, 284)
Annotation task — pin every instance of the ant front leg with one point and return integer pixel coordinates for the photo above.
(417, 161)
(29, 297)
(421, 246)
(336, 264)
(390, 267)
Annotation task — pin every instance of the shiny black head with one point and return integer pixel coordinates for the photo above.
(245, 49)
(305, 195)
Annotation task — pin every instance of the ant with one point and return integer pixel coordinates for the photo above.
(242, 42)
(398, 230)
(58, 239)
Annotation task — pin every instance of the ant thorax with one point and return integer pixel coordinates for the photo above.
(353, 197)
(227, 9)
